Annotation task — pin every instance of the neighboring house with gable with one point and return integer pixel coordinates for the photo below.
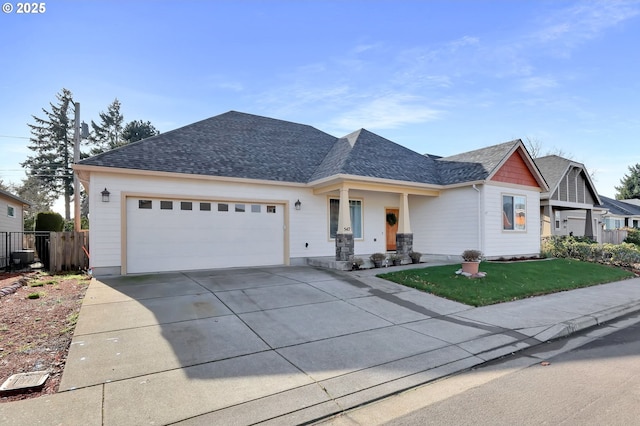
(244, 190)
(12, 210)
(571, 206)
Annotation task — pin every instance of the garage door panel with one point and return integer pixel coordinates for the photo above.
(169, 240)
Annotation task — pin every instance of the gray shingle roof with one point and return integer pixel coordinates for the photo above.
(619, 207)
(242, 145)
(473, 165)
(232, 144)
(553, 168)
(14, 197)
(363, 153)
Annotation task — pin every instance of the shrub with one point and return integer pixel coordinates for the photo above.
(624, 254)
(633, 236)
(378, 257)
(49, 221)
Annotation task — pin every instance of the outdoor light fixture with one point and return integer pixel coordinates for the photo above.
(105, 196)
(298, 204)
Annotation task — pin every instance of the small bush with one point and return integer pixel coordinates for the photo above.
(624, 254)
(33, 296)
(378, 257)
(633, 236)
(471, 255)
(49, 221)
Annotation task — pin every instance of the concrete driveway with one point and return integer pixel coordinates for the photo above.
(285, 345)
(248, 345)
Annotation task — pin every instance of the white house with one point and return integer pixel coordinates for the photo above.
(12, 210)
(243, 190)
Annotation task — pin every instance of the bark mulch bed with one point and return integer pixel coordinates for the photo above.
(36, 326)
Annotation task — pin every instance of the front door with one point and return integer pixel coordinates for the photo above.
(391, 218)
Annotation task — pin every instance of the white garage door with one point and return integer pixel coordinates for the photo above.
(176, 235)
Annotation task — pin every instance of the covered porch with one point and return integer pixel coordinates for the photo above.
(570, 219)
(389, 220)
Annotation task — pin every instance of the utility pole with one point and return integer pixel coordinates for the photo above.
(76, 182)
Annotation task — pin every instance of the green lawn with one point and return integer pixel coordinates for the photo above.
(507, 281)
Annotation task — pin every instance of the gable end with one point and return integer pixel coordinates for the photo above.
(515, 171)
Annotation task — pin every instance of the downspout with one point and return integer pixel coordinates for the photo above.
(480, 245)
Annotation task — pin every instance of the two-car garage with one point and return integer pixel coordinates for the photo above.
(171, 234)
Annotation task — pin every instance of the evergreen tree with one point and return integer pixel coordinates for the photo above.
(109, 133)
(629, 184)
(137, 130)
(52, 145)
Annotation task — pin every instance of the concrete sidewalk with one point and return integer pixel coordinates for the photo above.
(283, 345)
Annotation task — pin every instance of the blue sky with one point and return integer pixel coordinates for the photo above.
(437, 77)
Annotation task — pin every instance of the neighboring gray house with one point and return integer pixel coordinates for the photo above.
(620, 213)
(571, 206)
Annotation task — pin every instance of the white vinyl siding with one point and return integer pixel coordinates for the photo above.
(498, 242)
(448, 224)
(11, 217)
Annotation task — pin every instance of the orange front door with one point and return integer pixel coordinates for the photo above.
(391, 219)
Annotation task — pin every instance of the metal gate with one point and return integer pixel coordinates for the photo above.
(18, 249)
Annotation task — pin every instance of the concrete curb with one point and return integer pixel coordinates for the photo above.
(558, 331)
(587, 321)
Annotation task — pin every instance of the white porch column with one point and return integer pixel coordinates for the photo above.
(404, 224)
(344, 217)
(404, 236)
(344, 233)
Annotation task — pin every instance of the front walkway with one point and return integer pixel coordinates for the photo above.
(282, 345)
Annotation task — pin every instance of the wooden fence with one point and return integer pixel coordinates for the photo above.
(67, 251)
(614, 236)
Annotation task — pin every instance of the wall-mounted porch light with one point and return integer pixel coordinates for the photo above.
(105, 195)
(298, 205)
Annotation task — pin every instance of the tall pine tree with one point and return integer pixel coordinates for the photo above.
(629, 184)
(108, 134)
(52, 146)
(137, 130)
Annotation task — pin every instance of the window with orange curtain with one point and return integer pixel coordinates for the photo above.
(514, 213)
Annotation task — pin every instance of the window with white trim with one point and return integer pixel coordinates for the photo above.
(11, 211)
(514, 213)
(355, 211)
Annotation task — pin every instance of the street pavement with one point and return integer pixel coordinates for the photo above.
(283, 345)
(589, 378)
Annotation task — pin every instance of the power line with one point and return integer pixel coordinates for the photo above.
(14, 137)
